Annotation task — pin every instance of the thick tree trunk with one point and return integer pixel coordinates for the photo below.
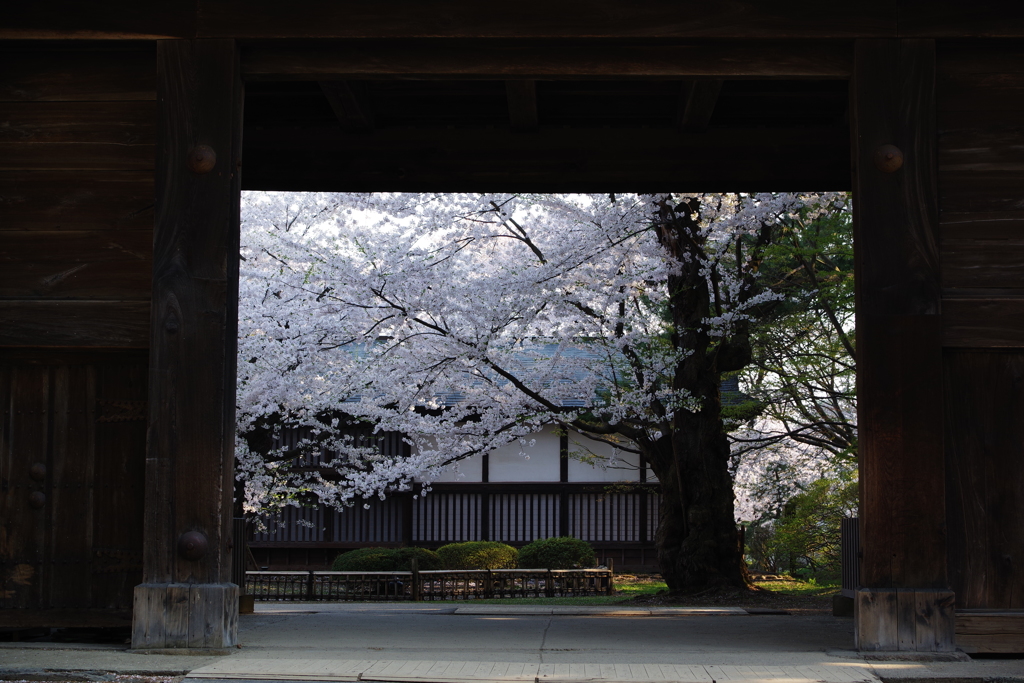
(697, 539)
(698, 543)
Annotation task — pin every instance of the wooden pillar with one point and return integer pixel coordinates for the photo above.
(187, 600)
(904, 602)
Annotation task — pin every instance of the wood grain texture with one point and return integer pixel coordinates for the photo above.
(71, 471)
(42, 323)
(54, 414)
(983, 263)
(37, 73)
(990, 631)
(23, 547)
(575, 18)
(120, 477)
(953, 18)
(482, 59)
(977, 322)
(985, 483)
(876, 626)
(192, 373)
(934, 621)
(901, 473)
(76, 265)
(980, 97)
(116, 20)
(76, 135)
(70, 200)
(56, 19)
(899, 331)
(893, 102)
(904, 619)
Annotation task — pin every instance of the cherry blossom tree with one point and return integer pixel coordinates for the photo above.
(466, 322)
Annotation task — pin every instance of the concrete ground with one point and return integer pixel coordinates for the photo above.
(440, 643)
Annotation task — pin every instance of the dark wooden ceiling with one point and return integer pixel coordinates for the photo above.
(547, 135)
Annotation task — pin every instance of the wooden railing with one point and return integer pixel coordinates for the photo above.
(428, 585)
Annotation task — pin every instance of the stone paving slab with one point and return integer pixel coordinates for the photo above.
(427, 671)
(601, 611)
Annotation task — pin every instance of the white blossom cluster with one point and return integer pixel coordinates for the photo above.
(465, 322)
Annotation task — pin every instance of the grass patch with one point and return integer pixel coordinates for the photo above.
(786, 585)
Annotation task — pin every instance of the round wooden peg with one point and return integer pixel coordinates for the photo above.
(192, 545)
(36, 500)
(888, 158)
(37, 471)
(202, 159)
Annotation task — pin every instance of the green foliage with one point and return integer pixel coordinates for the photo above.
(806, 540)
(427, 560)
(803, 368)
(385, 560)
(478, 555)
(562, 552)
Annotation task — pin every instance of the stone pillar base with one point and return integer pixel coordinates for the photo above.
(181, 616)
(904, 620)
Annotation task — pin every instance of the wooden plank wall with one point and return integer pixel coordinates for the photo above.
(76, 229)
(77, 144)
(980, 98)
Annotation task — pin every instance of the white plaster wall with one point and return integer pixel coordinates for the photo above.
(470, 469)
(506, 463)
(604, 469)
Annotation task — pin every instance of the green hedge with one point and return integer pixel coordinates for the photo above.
(563, 552)
(478, 555)
(385, 560)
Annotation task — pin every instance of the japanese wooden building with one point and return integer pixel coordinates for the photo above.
(557, 484)
(128, 130)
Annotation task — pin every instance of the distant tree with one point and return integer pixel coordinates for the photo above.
(802, 376)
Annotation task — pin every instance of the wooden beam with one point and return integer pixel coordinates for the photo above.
(107, 264)
(654, 19)
(899, 347)
(72, 200)
(186, 601)
(107, 324)
(562, 160)
(541, 19)
(697, 104)
(41, 72)
(983, 322)
(522, 105)
(381, 59)
(350, 105)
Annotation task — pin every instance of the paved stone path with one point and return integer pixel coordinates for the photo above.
(426, 671)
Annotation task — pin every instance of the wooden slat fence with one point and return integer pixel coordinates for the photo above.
(849, 546)
(523, 517)
(447, 518)
(427, 585)
(509, 516)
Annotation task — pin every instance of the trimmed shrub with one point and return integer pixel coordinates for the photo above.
(478, 555)
(562, 552)
(365, 560)
(427, 559)
(385, 560)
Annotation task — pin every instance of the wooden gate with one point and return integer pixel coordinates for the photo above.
(72, 461)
